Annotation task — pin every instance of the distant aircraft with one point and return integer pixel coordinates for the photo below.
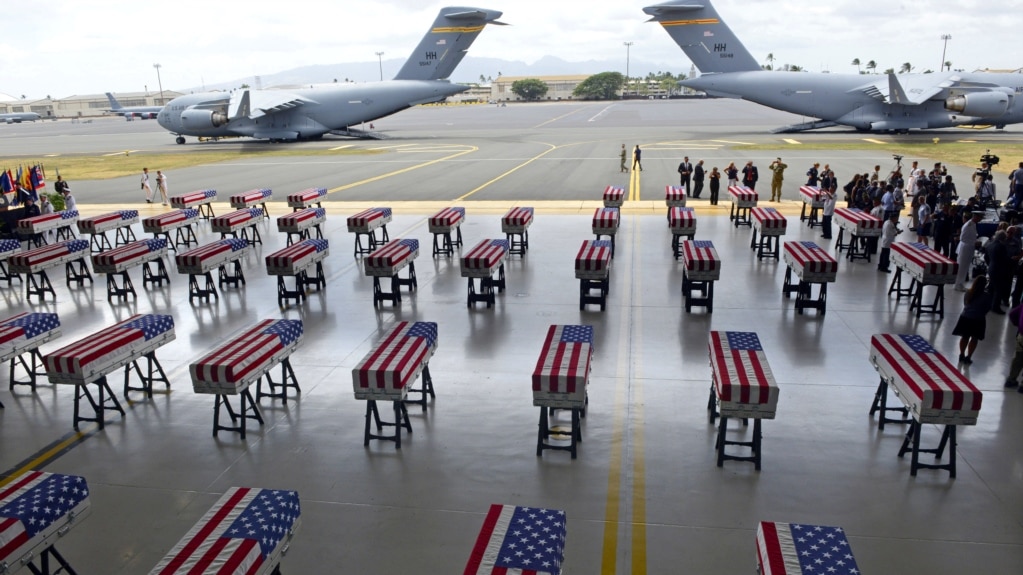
(144, 112)
(19, 117)
(865, 102)
(285, 115)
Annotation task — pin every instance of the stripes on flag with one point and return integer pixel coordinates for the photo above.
(741, 372)
(769, 221)
(295, 222)
(168, 221)
(36, 505)
(369, 220)
(128, 255)
(593, 256)
(296, 257)
(393, 254)
(810, 261)
(195, 198)
(18, 332)
(923, 263)
(446, 220)
(108, 221)
(246, 199)
(701, 260)
(210, 256)
(114, 345)
(564, 363)
(521, 540)
(812, 195)
(395, 360)
(486, 255)
(858, 222)
(605, 220)
(47, 256)
(794, 549)
(674, 196)
(246, 356)
(743, 196)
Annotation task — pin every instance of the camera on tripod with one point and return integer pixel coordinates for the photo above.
(989, 159)
(897, 157)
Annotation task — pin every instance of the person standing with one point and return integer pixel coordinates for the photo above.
(698, 176)
(161, 184)
(685, 171)
(733, 174)
(980, 176)
(830, 199)
(624, 155)
(888, 233)
(999, 269)
(1017, 358)
(972, 324)
(69, 201)
(1016, 181)
(637, 158)
(778, 170)
(45, 207)
(813, 174)
(750, 175)
(60, 185)
(967, 247)
(146, 187)
(923, 226)
(715, 185)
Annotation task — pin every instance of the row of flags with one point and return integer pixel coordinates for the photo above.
(32, 179)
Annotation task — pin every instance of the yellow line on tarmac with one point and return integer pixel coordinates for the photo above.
(509, 172)
(791, 141)
(41, 459)
(470, 150)
(634, 185)
(391, 147)
(638, 550)
(124, 153)
(731, 142)
(873, 141)
(340, 147)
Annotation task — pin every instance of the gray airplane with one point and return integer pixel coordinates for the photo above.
(285, 115)
(144, 112)
(865, 102)
(19, 117)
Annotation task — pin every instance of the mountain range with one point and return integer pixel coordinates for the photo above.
(469, 71)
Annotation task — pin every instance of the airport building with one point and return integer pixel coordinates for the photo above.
(86, 105)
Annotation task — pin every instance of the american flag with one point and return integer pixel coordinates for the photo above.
(741, 372)
(486, 255)
(926, 381)
(17, 332)
(812, 195)
(33, 505)
(295, 222)
(743, 197)
(204, 258)
(395, 360)
(858, 222)
(47, 256)
(593, 256)
(42, 223)
(564, 363)
(242, 533)
(369, 220)
(193, 198)
(247, 355)
(613, 196)
(682, 221)
(810, 262)
(392, 257)
(923, 263)
(8, 246)
(794, 549)
(128, 255)
(516, 220)
(171, 220)
(296, 257)
(769, 221)
(446, 219)
(605, 221)
(110, 221)
(306, 197)
(521, 540)
(701, 260)
(114, 345)
(674, 196)
(238, 219)
(246, 199)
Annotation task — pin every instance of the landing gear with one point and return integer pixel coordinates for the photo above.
(179, 140)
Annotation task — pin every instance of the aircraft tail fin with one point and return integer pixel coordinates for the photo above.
(447, 42)
(696, 27)
(114, 104)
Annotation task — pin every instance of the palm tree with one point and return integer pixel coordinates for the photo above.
(948, 65)
(770, 61)
(906, 68)
(795, 68)
(856, 62)
(889, 71)
(872, 65)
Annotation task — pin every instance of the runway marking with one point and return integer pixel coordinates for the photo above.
(600, 113)
(51, 155)
(873, 141)
(121, 153)
(542, 124)
(791, 141)
(509, 172)
(340, 147)
(48, 454)
(391, 147)
(469, 150)
(634, 180)
(731, 142)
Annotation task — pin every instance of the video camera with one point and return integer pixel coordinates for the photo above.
(989, 159)
(898, 158)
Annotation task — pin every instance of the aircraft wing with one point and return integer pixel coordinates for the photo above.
(257, 103)
(910, 89)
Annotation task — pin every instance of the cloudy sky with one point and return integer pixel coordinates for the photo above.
(66, 47)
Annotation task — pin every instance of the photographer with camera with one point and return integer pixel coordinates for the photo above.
(888, 233)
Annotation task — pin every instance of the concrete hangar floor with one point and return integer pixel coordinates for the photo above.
(644, 494)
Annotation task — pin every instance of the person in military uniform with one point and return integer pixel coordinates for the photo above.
(777, 167)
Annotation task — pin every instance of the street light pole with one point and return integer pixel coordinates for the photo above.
(380, 59)
(157, 66)
(946, 38)
(628, 46)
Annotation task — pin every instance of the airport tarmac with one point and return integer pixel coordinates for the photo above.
(644, 494)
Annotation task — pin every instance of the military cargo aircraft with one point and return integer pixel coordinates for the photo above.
(19, 117)
(144, 112)
(287, 115)
(866, 102)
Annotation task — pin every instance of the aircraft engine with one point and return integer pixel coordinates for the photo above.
(200, 119)
(979, 104)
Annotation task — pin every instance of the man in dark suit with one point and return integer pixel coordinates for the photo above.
(685, 169)
(750, 175)
(698, 179)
